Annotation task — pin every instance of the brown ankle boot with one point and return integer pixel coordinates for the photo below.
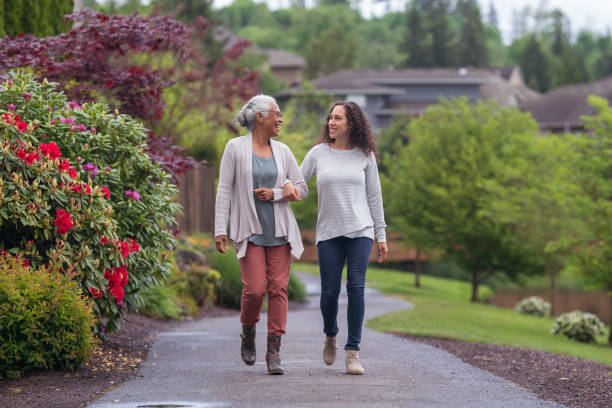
(247, 347)
(272, 357)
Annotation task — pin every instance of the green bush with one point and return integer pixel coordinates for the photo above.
(296, 289)
(160, 302)
(533, 305)
(44, 321)
(106, 148)
(230, 286)
(583, 327)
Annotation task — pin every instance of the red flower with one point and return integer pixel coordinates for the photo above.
(22, 126)
(64, 165)
(22, 154)
(118, 293)
(96, 292)
(72, 173)
(125, 249)
(50, 150)
(104, 240)
(26, 263)
(62, 221)
(105, 191)
(135, 247)
(31, 158)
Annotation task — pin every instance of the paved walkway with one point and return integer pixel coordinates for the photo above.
(198, 365)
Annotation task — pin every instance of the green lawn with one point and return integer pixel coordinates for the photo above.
(442, 309)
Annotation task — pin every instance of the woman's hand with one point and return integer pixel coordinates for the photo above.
(264, 194)
(291, 193)
(221, 243)
(383, 251)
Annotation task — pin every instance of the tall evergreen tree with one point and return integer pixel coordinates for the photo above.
(472, 42)
(535, 64)
(560, 32)
(2, 32)
(440, 33)
(12, 17)
(415, 44)
(492, 19)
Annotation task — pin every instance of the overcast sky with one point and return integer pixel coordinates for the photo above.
(593, 14)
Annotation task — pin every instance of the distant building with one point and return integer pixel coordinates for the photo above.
(561, 109)
(384, 94)
(286, 67)
(283, 65)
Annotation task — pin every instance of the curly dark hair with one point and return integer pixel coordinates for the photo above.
(360, 132)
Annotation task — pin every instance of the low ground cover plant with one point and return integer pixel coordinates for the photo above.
(533, 305)
(579, 326)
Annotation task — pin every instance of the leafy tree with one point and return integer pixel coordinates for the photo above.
(440, 198)
(540, 198)
(186, 10)
(324, 55)
(594, 162)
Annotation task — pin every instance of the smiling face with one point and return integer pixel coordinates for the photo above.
(271, 124)
(337, 123)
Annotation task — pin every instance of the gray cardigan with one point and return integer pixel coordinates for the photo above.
(235, 190)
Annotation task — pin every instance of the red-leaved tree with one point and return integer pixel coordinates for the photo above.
(107, 58)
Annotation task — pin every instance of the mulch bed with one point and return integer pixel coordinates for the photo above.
(570, 381)
(112, 363)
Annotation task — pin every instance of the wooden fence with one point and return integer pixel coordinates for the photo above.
(197, 196)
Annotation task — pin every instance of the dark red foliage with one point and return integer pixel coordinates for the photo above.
(97, 57)
(170, 157)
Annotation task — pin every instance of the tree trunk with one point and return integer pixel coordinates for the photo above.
(475, 286)
(553, 290)
(417, 269)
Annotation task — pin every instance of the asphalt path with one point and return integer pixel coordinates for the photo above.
(198, 365)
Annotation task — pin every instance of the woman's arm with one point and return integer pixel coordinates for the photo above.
(224, 190)
(293, 176)
(374, 195)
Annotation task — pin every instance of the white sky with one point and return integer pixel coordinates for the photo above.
(593, 14)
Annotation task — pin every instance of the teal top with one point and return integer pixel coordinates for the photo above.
(264, 175)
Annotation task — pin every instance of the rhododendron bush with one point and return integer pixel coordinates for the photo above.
(80, 194)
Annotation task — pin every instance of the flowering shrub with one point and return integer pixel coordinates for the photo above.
(584, 327)
(52, 164)
(533, 305)
(44, 321)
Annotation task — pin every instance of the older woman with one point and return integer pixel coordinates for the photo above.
(257, 178)
(350, 217)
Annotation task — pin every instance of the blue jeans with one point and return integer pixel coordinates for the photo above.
(333, 254)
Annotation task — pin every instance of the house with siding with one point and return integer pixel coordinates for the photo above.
(384, 94)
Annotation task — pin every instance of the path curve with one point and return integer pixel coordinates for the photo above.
(198, 365)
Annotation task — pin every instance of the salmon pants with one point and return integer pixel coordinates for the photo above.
(261, 264)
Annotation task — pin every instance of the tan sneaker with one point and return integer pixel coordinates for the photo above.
(353, 366)
(329, 350)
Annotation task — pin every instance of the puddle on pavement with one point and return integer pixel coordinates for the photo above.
(165, 406)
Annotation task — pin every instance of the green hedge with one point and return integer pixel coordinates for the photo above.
(44, 321)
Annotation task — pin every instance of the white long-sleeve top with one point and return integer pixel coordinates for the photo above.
(235, 190)
(350, 197)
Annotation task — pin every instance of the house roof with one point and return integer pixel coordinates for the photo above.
(385, 82)
(283, 59)
(564, 106)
